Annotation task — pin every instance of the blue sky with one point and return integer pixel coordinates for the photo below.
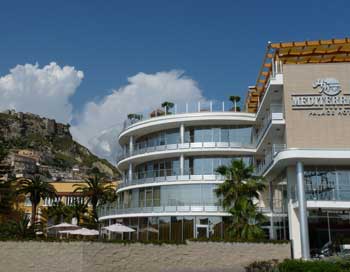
(220, 44)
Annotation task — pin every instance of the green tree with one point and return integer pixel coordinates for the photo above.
(235, 99)
(238, 192)
(58, 213)
(3, 151)
(7, 199)
(20, 228)
(97, 190)
(135, 116)
(36, 188)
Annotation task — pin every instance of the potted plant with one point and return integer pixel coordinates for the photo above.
(157, 112)
(135, 116)
(235, 99)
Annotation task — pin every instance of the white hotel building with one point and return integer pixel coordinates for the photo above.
(295, 130)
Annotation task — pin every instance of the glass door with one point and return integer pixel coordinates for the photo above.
(202, 231)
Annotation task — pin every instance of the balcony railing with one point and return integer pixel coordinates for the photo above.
(168, 175)
(200, 106)
(106, 211)
(195, 145)
(269, 158)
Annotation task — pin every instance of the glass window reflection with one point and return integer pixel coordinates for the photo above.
(327, 183)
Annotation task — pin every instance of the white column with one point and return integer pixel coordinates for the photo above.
(293, 220)
(130, 172)
(109, 233)
(131, 145)
(294, 231)
(182, 133)
(273, 68)
(304, 229)
(182, 162)
(272, 230)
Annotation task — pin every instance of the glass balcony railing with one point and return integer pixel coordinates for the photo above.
(269, 158)
(192, 107)
(275, 113)
(168, 175)
(106, 210)
(178, 146)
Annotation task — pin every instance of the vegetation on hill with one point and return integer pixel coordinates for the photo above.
(53, 140)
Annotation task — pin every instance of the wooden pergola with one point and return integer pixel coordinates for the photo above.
(320, 51)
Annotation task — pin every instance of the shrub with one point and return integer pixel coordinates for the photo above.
(231, 240)
(262, 266)
(309, 266)
(329, 265)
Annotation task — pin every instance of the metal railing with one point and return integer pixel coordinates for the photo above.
(106, 210)
(180, 146)
(192, 107)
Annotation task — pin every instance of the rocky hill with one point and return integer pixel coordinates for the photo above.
(51, 142)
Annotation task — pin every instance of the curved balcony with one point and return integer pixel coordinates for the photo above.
(109, 211)
(205, 116)
(195, 146)
(169, 175)
(194, 107)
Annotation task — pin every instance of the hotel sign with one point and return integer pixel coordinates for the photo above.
(328, 102)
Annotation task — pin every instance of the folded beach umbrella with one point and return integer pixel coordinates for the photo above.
(118, 228)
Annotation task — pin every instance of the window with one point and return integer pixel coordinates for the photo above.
(327, 183)
(142, 198)
(149, 197)
(164, 228)
(27, 201)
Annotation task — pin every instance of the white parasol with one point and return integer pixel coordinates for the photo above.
(84, 232)
(64, 226)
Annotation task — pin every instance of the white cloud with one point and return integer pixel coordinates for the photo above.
(100, 122)
(44, 91)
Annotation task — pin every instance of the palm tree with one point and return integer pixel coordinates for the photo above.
(37, 188)
(97, 190)
(235, 99)
(167, 105)
(238, 192)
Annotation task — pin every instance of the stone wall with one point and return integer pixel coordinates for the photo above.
(105, 257)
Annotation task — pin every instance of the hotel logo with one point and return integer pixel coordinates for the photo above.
(328, 102)
(328, 86)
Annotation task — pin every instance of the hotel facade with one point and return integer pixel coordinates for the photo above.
(294, 129)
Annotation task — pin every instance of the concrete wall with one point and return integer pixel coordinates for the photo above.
(96, 257)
